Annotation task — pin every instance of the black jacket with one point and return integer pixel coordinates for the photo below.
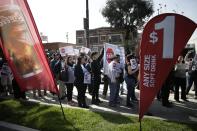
(79, 75)
(96, 69)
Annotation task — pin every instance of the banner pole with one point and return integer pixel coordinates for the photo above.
(140, 125)
(61, 107)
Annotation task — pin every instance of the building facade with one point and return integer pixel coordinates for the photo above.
(56, 45)
(100, 36)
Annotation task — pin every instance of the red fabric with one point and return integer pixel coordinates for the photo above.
(184, 28)
(22, 46)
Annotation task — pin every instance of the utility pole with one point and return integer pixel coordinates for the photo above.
(67, 37)
(87, 28)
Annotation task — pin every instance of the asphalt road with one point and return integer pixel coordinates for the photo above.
(6, 129)
(5, 126)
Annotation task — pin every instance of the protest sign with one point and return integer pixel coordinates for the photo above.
(85, 50)
(111, 50)
(67, 50)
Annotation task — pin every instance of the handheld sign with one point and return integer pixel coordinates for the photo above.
(163, 40)
(76, 52)
(109, 51)
(68, 50)
(85, 50)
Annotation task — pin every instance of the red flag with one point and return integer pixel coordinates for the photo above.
(163, 39)
(22, 47)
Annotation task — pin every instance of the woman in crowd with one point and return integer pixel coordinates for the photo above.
(79, 82)
(192, 72)
(131, 69)
(180, 79)
(71, 78)
(87, 78)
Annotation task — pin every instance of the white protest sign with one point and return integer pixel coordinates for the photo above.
(76, 52)
(87, 78)
(85, 50)
(134, 64)
(122, 56)
(109, 51)
(68, 50)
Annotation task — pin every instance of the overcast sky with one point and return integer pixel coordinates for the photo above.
(57, 17)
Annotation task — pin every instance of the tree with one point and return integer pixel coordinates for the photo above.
(128, 15)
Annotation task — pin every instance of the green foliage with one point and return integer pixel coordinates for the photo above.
(128, 15)
(49, 118)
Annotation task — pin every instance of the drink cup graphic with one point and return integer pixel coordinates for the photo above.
(17, 40)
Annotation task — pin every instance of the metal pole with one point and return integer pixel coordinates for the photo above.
(140, 125)
(87, 29)
(61, 107)
(67, 37)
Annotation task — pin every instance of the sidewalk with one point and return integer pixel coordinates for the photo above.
(180, 112)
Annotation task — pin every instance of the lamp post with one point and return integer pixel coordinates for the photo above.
(87, 24)
(67, 37)
(158, 11)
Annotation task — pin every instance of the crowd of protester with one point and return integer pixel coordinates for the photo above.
(84, 72)
(183, 76)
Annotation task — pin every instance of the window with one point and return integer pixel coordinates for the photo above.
(116, 38)
(80, 40)
(103, 37)
(94, 40)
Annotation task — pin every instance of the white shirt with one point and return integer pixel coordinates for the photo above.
(114, 71)
(180, 70)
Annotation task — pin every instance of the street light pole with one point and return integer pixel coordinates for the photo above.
(67, 37)
(87, 28)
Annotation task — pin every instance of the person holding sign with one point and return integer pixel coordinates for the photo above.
(114, 73)
(131, 69)
(96, 76)
(87, 76)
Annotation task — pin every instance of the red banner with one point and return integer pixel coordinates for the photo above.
(22, 47)
(163, 39)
